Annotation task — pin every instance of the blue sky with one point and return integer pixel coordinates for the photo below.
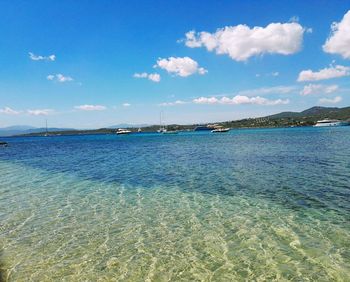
(88, 64)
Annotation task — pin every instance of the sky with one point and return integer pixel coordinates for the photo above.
(91, 64)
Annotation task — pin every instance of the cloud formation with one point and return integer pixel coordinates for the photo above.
(339, 40)
(59, 78)
(155, 77)
(318, 89)
(9, 111)
(267, 90)
(240, 99)
(178, 102)
(40, 112)
(335, 100)
(180, 66)
(126, 105)
(326, 73)
(241, 42)
(41, 58)
(90, 108)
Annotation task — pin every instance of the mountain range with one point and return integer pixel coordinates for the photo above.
(26, 129)
(320, 112)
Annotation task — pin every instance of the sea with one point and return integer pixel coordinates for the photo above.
(247, 205)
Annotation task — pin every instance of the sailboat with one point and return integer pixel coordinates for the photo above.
(46, 131)
(162, 129)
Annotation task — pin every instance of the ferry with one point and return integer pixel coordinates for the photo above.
(331, 122)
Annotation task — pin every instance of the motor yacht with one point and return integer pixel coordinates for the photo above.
(123, 131)
(331, 122)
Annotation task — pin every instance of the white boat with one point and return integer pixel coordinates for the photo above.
(162, 130)
(170, 132)
(220, 130)
(330, 122)
(123, 131)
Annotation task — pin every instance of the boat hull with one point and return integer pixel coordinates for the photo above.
(221, 130)
(331, 124)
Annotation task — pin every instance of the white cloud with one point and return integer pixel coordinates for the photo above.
(339, 41)
(268, 90)
(59, 78)
(242, 42)
(41, 112)
(154, 77)
(326, 73)
(318, 89)
(90, 107)
(275, 74)
(205, 100)
(240, 99)
(335, 100)
(180, 66)
(126, 105)
(178, 102)
(141, 75)
(151, 76)
(41, 58)
(9, 111)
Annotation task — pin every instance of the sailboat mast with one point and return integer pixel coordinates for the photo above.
(160, 121)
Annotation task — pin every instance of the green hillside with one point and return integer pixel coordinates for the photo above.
(308, 117)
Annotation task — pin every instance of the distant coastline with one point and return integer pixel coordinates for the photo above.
(308, 117)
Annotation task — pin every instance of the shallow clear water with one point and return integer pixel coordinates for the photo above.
(250, 205)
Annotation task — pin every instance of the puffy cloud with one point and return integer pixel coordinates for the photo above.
(242, 42)
(339, 41)
(154, 77)
(41, 58)
(126, 105)
(151, 76)
(240, 99)
(326, 73)
(9, 111)
(59, 78)
(141, 75)
(41, 112)
(318, 89)
(90, 108)
(205, 100)
(178, 102)
(180, 66)
(335, 100)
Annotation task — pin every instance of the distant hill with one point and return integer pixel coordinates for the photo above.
(319, 112)
(24, 129)
(307, 117)
(127, 125)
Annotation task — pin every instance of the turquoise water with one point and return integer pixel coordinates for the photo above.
(250, 205)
